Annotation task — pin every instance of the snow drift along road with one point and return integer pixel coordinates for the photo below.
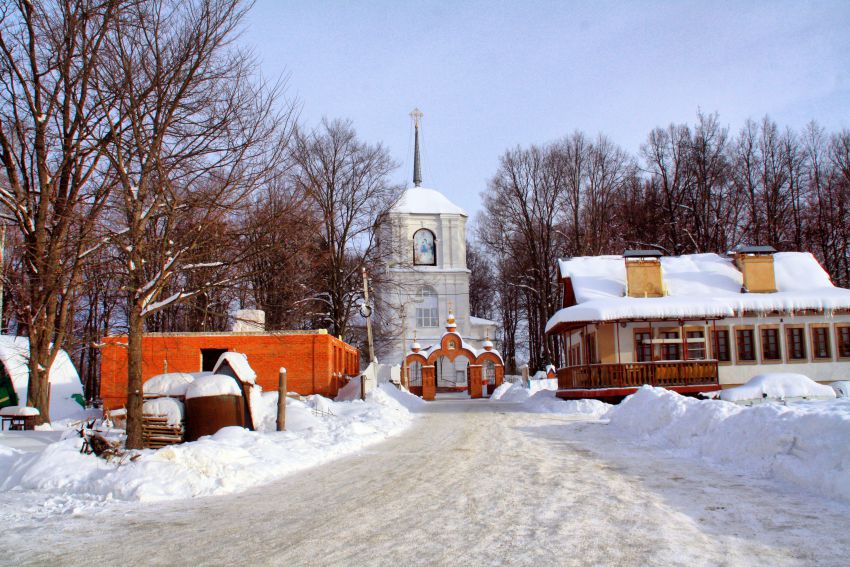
(232, 460)
(805, 443)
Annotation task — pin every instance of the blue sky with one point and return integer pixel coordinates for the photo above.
(493, 75)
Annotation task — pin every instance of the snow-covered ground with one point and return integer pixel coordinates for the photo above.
(57, 479)
(540, 398)
(469, 483)
(805, 443)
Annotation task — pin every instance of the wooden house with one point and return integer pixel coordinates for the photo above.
(697, 322)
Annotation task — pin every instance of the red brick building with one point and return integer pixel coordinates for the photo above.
(316, 362)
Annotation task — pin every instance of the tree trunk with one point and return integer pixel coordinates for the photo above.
(38, 391)
(134, 378)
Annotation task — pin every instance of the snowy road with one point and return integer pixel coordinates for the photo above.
(470, 483)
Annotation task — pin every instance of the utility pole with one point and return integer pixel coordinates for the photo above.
(281, 400)
(367, 312)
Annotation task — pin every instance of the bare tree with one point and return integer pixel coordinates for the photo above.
(348, 181)
(51, 142)
(666, 156)
(192, 135)
(283, 229)
(482, 282)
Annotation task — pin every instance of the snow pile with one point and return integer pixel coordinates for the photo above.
(802, 443)
(232, 460)
(543, 384)
(170, 384)
(404, 397)
(349, 392)
(508, 392)
(169, 407)
(213, 385)
(841, 388)
(545, 401)
(239, 363)
(777, 386)
(64, 381)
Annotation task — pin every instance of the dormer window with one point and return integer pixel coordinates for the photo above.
(424, 248)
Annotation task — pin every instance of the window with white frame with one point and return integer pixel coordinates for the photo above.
(427, 310)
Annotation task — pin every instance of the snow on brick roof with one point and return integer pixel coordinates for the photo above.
(419, 200)
(697, 285)
(64, 380)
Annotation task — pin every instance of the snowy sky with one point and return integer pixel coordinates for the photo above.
(490, 76)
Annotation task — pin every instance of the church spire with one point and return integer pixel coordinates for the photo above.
(417, 167)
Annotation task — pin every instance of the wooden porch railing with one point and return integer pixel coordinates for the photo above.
(629, 375)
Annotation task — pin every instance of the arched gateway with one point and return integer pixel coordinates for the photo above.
(486, 370)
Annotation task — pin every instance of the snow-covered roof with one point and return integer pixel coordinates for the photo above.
(696, 285)
(481, 321)
(64, 380)
(419, 200)
(239, 363)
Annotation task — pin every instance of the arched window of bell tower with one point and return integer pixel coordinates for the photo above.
(424, 248)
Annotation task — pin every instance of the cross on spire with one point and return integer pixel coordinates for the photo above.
(417, 167)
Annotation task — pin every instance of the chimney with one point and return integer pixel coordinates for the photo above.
(249, 321)
(756, 264)
(643, 273)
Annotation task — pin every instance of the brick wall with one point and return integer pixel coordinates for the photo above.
(316, 363)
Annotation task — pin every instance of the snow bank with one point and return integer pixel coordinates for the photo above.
(170, 384)
(841, 388)
(544, 400)
(778, 386)
(508, 392)
(64, 381)
(803, 443)
(349, 392)
(213, 385)
(232, 460)
(543, 384)
(169, 407)
(403, 397)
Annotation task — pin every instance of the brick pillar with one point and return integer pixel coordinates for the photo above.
(475, 381)
(429, 383)
(500, 375)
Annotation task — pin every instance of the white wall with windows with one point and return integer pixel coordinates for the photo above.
(814, 345)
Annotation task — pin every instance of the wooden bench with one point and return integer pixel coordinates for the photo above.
(18, 418)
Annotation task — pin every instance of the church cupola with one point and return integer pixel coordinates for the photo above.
(451, 325)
